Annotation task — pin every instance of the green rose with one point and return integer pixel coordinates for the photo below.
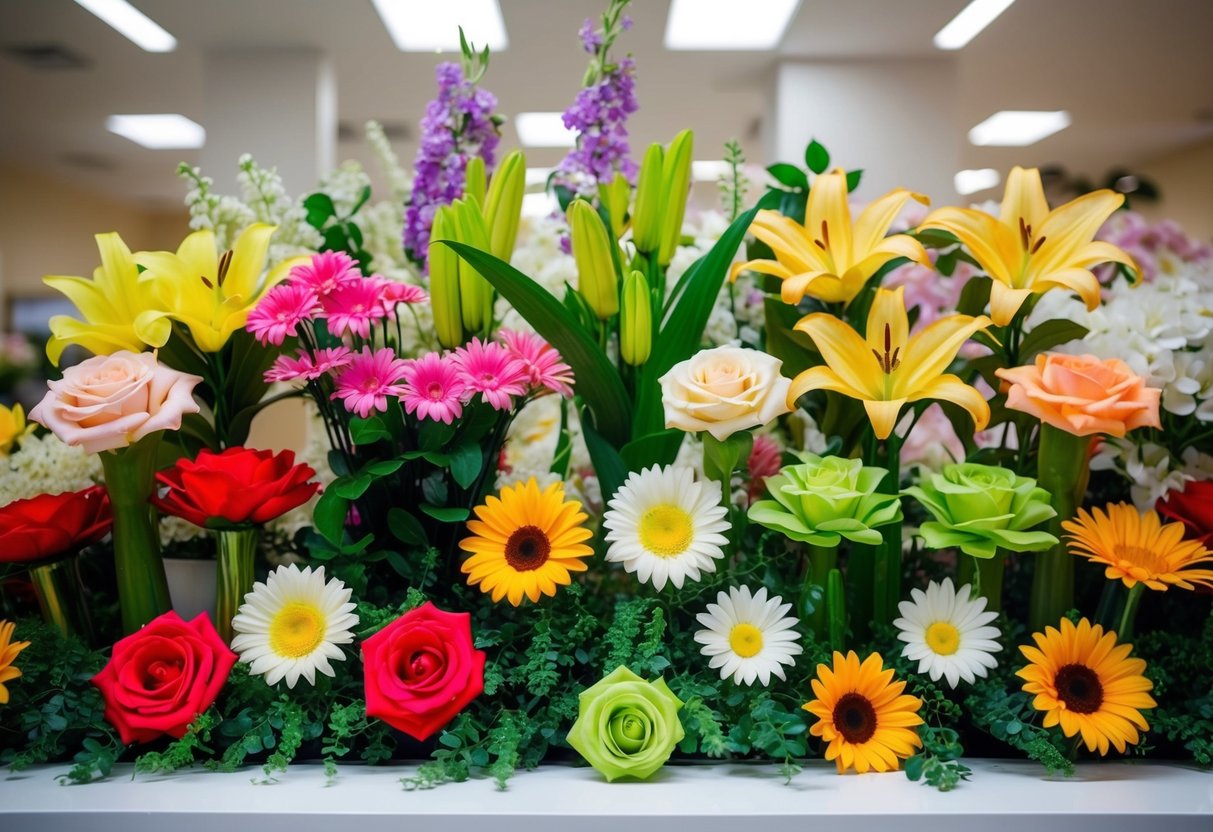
(825, 499)
(979, 508)
(627, 727)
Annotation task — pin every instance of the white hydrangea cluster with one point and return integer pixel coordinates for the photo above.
(46, 465)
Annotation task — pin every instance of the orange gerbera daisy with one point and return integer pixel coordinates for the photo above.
(8, 654)
(1086, 683)
(863, 715)
(526, 542)
(1138, 547)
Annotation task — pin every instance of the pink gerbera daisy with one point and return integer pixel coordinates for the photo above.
(291, 368)
(325, 272)
(393, 292)
(493, 371)
(368, 379)
(434, 388)
(541, 360)
(280, 312)
(353, 307)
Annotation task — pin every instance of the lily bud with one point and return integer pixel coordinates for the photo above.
(614, 197)
(475, 294)
(444, 281)
(646, 216)
(676, 187)
(503, 205)
(636, 320)
(473, 180)
(596, 277)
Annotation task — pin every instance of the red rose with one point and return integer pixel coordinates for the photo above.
(239, 486)
(421, 670)
(159, 678)
(53, 524)
(1193, 507)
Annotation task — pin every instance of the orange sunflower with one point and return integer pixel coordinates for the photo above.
(1139, 548)
(863, 715)
(1084, 681)
(526, 542)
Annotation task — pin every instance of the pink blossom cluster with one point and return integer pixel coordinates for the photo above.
(1145, 242)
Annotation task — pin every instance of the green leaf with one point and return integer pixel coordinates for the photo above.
(598, 382)
(1049, 335)
(974, 296)
(445, 515)
(789, 175)
(320, 208)
(431, 435)
(363, 196)
(351, 489)
(608, 464)
(384, 467)
(653, 449)
(405, 527)
(816, 157)
(366, 431)
(853, 177)
(466, 462)
(329, 516)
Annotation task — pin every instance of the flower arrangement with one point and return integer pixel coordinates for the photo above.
(617, 528)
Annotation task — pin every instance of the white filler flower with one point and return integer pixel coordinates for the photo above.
(947, 633)
(748, 637)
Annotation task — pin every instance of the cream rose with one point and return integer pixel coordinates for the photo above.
(724, 390)
(110, 401)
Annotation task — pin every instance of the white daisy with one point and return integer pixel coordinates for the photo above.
(665, 526)
(748, 636)
(947, 633)
(290, 625)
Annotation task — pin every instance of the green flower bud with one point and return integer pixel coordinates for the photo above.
(444, 281)
(646, 216)
(825, 499)
(636, 320)
(614, 197)
(596, 277)
(627, 727)
(980, 508)
(503, 205)
(475, 293)
(676, 187)
(473, 180)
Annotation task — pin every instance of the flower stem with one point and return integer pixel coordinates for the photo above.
(236, 551)
(822, 559)
(61, 596)
(1062, 471)
(1124, 630)
(142, 586)
(988, 579)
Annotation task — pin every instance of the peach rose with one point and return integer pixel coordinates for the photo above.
(110, 401)
(1082, 394)
(724, 390)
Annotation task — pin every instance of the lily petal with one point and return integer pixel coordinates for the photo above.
(930, 352)
(1080, 281)
(883, 415)
(819, 378)
(874, 220)
(980, 234)
(821, 285)
(828, 217)
(788, 239)
(950, 388)
(888, 310)
(1071, 226)
(1024, 199)
(844, 352)
(1005, 302)
(248, 260)
(771, 267)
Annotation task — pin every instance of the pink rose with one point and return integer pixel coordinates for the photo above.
(110, 401)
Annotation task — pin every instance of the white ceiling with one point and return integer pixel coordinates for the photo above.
(1135, 74)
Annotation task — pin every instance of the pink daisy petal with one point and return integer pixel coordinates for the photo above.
(368, 379)
(325, 272)
(493, 371)
(434, 388)
(280, 312)
(393, 292)
(541, 360)
(286, 368)
(353, 307)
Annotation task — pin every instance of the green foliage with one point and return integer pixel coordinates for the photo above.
(1178, 664)
(1008, 716)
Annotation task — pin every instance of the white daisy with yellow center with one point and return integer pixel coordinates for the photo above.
(665, 526)
(290, 625)
(948, 633)
(748, 636)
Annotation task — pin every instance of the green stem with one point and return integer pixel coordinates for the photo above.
(129, 478)
(236, 552)
(988, 579)
(1062, 471)
(822, 559)
(1124, 630)
(61, 596)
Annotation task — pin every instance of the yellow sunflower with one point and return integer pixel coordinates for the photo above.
(526, 542)
(863, 715)
(1084, 681)
(1138, 547)
(8, 654)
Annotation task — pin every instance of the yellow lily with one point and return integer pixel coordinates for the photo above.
(828, 257)
(891, 367)
(208, 293)
(1029, 249)
(117, 311)
(12, 427)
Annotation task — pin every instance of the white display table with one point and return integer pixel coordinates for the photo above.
(1108, 797)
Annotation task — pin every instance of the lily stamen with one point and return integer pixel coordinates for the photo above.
(889, 361)
(1039, 243)
(225, 263)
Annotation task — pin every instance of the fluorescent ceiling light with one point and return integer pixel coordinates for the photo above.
(1018, 128)
(543, 130)
(132, 24)
(968, 24)
(971, 181)
(727, 25)
(160, 131)
(537, 176)
(433, 25)
(709, 171)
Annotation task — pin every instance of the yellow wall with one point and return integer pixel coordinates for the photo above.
(1185, 179)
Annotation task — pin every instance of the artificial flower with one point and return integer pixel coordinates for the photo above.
(948, 633)
(1192, 505)
(111, 401)
(12, 427)
(891, 368)
(665, 526)
(981, 508)
(210, 294)
(236, 487)
(748, 636)
(828, 258)
(364, 384)
(290, 625)
(280, 312)
(541, 360)
(627, 727)
(489, 369)
(1082, 395)
(118, 311)
(1029, 249)
(525, 542)
(1087, 683)
(824, 499)
(53, 524)
(354, 307)
(1136, 547)
(325, 272)
(8, 654)
(421, 670)
(724, 390)
(433, 388)
(863, 715)
(162, 676)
